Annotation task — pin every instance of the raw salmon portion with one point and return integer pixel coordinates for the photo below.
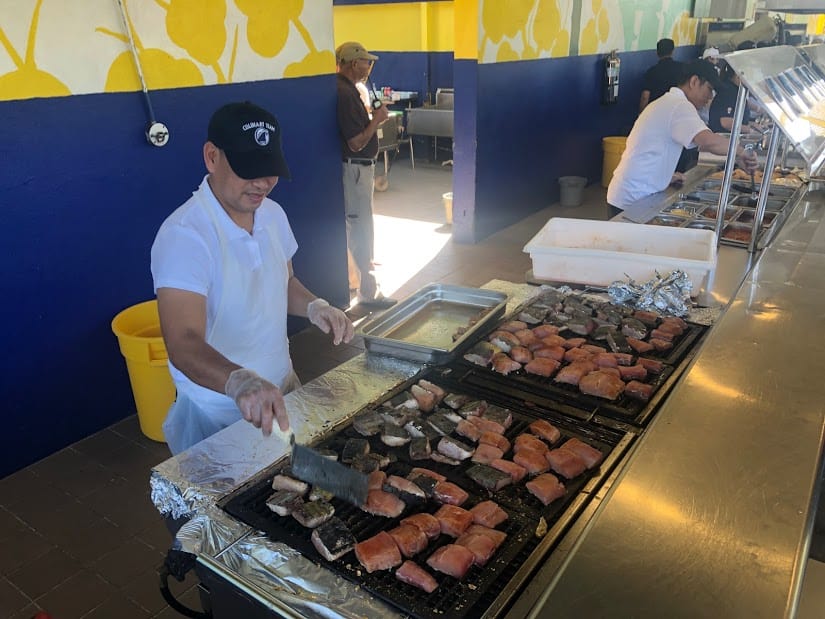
(433, 388)
(660, 345)
(573, 342)
(612, 371)
(485, 454)
(380, 503)
(425, 522)
(596, 350)
(639, 346)
(497, 536)
(452, 560)
(550, 352)
(526, 337)
(496, 440)
(542, 366)
(633, 372)
(453, 520)
(487, 425)
(591, 456)
(415, 575)
(480, 545)
(545, 430)
(546, 488)
(623, 358)
(403, 488)
(378, 552)
(521, 354)
(606, 360)
(573, 373)
(513, 325)
(638, 390)
(426, 399)
(503, 364)
(646, 316)
(409, 538)
(602, 384)
(533, 460)
(662, 334)
(447, 492)
(577, 354)
(376, 479)
(674, 322)
(566, 462)
(469, 430)
(489, 514)
(553, 340)
(515, 471)
(528, 441)
(545, 330)
(652, 365)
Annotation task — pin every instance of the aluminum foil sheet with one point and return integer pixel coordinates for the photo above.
(214, 467)
(289, 577)
(209, 532)
(669, 294)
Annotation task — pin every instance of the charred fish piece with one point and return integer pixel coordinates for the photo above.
(442, 424)
(283, 481)
(425, 482)
(450, 414)
(482, 353)
(498, 414)
(618, 343)
(532, 315)
(283, 501)
(600, 334)
(474, 407)
(368, 424)
(420, 449)
(407, 491)
(313, 514)
(418, 428)
(440, 457)
(393, 435)
(353, 448)
(364, 464)
(581, 323)
(456, 400)
(333, 539)
(319, 494)
(489, 478)
(631, 327)
(455, 449)
(398, 416)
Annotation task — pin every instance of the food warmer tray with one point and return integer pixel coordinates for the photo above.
(483, 588)
(533, 390)
(434, 323)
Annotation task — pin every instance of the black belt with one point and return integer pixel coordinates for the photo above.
(359, 161)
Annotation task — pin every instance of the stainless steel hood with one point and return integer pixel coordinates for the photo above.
(795, 6)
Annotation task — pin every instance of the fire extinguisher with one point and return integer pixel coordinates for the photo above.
(610, 79)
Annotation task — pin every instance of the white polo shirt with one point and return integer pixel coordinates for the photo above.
(653, 148)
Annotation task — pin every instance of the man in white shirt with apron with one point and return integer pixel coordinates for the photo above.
(670, 123)
(222, 270)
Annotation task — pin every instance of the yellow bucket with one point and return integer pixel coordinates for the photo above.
(138, 332)
(447, 198)
(613, 148)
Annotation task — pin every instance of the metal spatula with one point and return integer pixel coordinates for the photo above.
(310, 466)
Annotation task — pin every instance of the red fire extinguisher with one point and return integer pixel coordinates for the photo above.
(610, 78)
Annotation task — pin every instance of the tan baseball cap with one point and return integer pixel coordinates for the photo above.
(351, 50)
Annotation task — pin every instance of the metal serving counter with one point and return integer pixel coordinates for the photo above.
(712, 513)
(709, 514)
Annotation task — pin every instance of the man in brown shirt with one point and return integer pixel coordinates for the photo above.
(359, 149)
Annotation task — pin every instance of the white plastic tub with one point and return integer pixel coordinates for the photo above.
(583, 251)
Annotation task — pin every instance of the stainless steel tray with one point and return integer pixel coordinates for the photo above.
(421, 327)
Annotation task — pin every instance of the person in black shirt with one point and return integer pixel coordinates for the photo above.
(662, 76)
(724, 104)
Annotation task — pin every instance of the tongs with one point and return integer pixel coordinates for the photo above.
(754, 196)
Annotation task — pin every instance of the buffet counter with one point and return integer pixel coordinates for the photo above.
(708, 513)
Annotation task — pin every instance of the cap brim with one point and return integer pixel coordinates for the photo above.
(253, 165)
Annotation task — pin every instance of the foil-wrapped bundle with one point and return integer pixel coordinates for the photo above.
(667, 295)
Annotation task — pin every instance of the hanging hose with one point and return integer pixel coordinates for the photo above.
(156, 133)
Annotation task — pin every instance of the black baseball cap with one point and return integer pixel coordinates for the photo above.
(251, 138)
(704, 70)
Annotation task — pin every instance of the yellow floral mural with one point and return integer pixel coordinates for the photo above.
(596, 30)
(27, 81)
(524, 29)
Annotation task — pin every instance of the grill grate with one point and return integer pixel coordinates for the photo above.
(453, 599)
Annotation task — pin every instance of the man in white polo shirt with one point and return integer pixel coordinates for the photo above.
(672, 122)
(222, 268)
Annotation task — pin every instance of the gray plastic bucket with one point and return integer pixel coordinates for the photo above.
(571, 190)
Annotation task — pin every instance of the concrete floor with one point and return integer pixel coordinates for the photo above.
(79, 536)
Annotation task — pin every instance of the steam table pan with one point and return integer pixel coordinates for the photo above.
(434, 323)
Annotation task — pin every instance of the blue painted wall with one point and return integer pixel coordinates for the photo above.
(534, 121)
(82, 195)
(421, 72)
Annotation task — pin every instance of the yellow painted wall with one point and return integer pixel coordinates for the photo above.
(396, 27)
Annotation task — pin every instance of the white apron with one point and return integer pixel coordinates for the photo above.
(249, 328)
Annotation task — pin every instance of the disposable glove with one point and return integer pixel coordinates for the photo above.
(260, 402)
(326, 318)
